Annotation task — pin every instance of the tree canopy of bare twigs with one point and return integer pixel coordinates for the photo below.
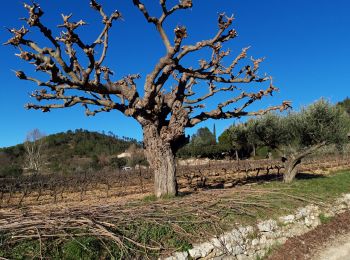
(163, 111)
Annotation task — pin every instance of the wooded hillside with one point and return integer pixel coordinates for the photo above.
(69, 152)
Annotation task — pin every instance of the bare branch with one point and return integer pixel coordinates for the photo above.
(162, 113)
(73, 76)
(212, 91)
(95, 80)
(217, 114)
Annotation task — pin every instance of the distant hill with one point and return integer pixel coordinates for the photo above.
(70, 152)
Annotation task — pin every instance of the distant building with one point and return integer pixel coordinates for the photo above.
(124, 155)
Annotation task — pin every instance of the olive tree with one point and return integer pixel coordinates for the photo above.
(235, 138)
(252, 137)
(173, 96)
(203, 137)
(317, 125)
(298, 135)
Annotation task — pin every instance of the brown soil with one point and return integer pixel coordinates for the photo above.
(307, 245)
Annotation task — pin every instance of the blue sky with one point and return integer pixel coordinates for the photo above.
(306, 45)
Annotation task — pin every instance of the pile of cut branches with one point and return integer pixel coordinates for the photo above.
(145, 227)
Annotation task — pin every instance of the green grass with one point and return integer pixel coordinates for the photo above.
(180, 227)
(324, 219)
(149, 198)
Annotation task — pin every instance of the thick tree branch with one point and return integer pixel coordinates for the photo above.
(219, 114)
(169, 109)
(65, 77)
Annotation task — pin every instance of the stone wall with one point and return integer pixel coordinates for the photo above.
(252, 242)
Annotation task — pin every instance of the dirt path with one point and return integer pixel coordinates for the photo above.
(337, 249)
(329, 241)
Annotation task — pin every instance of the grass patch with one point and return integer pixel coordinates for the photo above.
(325, 219)
(149, 198)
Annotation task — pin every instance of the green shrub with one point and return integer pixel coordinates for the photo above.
(11, 171)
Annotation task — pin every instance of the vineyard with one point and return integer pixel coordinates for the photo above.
(44, 189)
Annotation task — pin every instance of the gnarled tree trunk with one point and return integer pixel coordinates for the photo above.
(292, 162)
(162, 161)
(291, 168)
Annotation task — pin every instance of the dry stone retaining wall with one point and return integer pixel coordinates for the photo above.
(252, 242)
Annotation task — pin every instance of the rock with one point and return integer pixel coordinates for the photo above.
(308, 222)
(267, 226)
(270, 243)
(242, 257)
(302, 213)
(287, 219)
(201, 250)
(234, 237)
(346, 199)
(296, 229)
(235, 250)
(245, 231)
(228, 185)
(307, 211)
(312, 221)
(178, 256)
(224, 257)
(195, 252)
(262, 240)
(343, 202)
(216, 242)
(255, 242)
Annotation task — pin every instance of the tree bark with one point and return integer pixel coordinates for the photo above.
(292, 162)
(291, 168)
(162, 161)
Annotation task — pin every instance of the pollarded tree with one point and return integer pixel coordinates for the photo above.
(165, 109)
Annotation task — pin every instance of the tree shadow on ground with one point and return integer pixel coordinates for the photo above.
(249, 181)
(306, 176)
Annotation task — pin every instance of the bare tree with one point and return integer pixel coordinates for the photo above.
(33, 150)
(164, 111)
